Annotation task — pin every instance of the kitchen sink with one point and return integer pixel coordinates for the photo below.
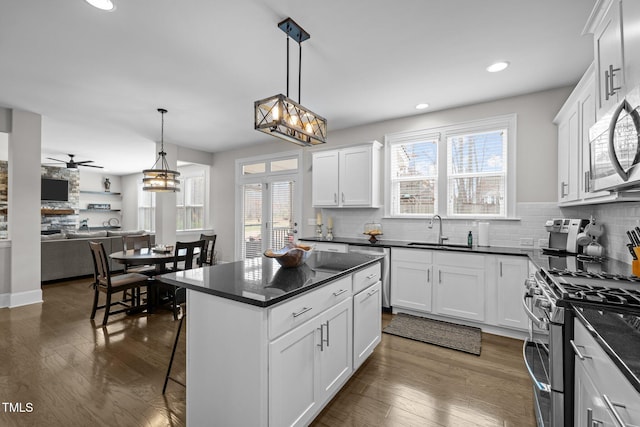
(439, 245)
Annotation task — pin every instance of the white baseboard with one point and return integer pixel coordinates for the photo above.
(21, 298)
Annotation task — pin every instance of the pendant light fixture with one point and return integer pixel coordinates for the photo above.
(160, 178)
(284, 118)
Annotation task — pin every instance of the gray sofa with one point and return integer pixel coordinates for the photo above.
(64, 256)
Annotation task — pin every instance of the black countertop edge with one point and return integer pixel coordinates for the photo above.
(272, 301)
(630, 375)
(383, 243)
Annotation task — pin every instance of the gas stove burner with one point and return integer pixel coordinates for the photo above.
(593, 275)
(600, 294)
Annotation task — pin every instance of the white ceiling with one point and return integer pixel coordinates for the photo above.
(98, 77)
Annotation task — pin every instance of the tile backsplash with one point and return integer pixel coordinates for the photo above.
(529, 227)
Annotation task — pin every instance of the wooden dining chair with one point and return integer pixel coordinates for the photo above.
(137, 242)
(208, 258)
(188, 250)
(104, 282)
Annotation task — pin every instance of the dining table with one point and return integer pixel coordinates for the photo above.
(149, 256)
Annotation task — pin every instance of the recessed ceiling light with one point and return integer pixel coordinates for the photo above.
(102, 4)
(422, 106)
(498, 66)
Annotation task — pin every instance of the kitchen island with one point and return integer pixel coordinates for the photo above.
(270, 346)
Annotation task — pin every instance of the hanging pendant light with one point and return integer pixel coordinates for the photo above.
(160, 178)
(284, 118)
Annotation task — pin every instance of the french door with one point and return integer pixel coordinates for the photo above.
(269, 207)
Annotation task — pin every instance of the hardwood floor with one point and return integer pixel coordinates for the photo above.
(74, 372)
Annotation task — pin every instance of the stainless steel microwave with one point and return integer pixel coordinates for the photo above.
(614, 146)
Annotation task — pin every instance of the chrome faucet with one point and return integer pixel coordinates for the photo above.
(441, 238)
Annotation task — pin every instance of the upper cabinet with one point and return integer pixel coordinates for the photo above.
(348, 177)
(614, 72)
(606, 26)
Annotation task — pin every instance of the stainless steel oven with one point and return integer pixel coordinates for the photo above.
(543, 351)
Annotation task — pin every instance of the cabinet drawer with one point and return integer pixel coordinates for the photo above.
(331, 247)
(607, 377)
(366, 277)
(412, 255)
(290, 314)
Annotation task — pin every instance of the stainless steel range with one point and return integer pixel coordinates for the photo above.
(548, 351)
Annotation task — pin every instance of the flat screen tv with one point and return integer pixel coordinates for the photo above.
(55, 190)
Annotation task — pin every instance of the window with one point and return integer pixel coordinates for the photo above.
(462, 170)
(190, 201)
(415, 176)
(146, 209)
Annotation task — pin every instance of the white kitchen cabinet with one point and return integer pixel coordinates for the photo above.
(606, 26)
(325, 184)
(511, 274)
(348, 177)
(411, 279)
(589, 408)
(568, 160)
(459, 289)
(598, 380)
(367, 322)
(308, 365)
(631, 42)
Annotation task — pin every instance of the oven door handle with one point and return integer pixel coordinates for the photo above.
(540, 322)
(538, 384)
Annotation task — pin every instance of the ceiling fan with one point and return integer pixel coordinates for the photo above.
(72, 164)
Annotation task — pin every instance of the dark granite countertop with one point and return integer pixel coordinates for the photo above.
(262, 282)
(383, 243)
(618, 333)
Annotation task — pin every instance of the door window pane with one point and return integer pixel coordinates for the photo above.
(254, 168)
(252, 220)
(284, 165)
(281, 213)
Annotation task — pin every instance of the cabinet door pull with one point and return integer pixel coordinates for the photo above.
(612, 72)
(586, 181)
(612, 408)
(606, 85)
(303, 311)
(372, 293)
(335, 198)
(340, 292)
(578, 352)
(371, 276)
(342, 197)
(321, 329)
(428, 275)
(500, 268)
(327, 340)
(563, 185)
(439, 276)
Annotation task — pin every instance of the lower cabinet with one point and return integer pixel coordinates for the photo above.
(481, 288)
(367, 323)
(460, 286)
(603, 396)
(309, 364)
(411, 281)
(511, 274)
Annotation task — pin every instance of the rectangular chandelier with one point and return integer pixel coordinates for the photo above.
(284, 118)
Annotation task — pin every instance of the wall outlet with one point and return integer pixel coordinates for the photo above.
(526, 241)
(543, 243)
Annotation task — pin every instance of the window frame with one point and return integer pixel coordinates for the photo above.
(507, 121)
(199, 172)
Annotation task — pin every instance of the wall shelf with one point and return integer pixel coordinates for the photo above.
(103, 193)
(48, 212)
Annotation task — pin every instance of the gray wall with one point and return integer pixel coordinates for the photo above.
(536, 155)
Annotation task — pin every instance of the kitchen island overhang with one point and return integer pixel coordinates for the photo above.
(270, 346)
